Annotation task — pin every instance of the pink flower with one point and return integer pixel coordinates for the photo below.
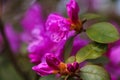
(60, 27)
(41, 44)
(114, 53)
(38, 46)
(43, 69)
(13, 38)
(32, 19)
(36, 36)
(54, 66)
(52, 41)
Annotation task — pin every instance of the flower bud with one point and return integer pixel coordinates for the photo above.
(52, 61)
(76, 65)
(70, 68)
(73, 10)
(43, 69)
(73, 67)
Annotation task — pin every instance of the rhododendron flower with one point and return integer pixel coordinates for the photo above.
(59, 27)
(36, 36)
(54, 66)
(32, 19)
(13, 38)
(42, 43)
(39, 46)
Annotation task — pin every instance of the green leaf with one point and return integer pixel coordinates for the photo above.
(68, 47)
(91, 51)
(23, 48)
(101, 60)
(103, 32)
(94, 72)
(90, 16)
(71, 59)
(50, 77)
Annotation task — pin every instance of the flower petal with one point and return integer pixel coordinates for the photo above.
(58, 27)
(43, 69)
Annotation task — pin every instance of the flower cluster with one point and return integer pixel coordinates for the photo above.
(53, 65)
(39, 43)
(60, 27)
(46, 47)
(55, 46)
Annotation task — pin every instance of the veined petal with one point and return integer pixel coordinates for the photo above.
(58, 27)
(38, 48)
(13, 37)
(35, 58)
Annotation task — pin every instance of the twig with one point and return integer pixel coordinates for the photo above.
(11, 54)
(2, 51)
(37, 77)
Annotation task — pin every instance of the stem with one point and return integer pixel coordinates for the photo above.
(3, 50)
(37, 77)
(11, 54)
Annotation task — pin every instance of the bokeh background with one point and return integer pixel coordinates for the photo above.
(14, 61)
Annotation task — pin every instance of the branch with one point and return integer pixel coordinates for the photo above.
(37, 77)
(11, 54)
